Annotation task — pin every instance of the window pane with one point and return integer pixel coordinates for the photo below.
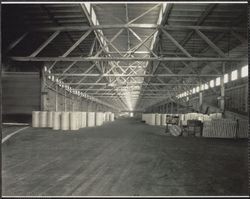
(234, 75)
(212, 83)
(244, 71)
(225, 78)
(217, 81)
(193, 90)
(197, 89)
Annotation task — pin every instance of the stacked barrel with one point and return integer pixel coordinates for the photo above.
(69, 120)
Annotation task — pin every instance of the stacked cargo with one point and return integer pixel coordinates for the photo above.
(69, 120)
(220, 128)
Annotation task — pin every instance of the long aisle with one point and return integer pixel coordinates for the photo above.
(125, 157)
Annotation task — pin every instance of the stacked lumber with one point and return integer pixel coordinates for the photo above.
(219, 128)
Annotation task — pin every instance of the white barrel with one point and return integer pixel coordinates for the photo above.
(112, 117)
(151, 119)
(50, 119)
(91, 119)
(43, 119)
(143, 117)
(84, 119)
(56, 120)
(163, 119)
(99, 118)
(146, 118)
(73, 118)
(65, 121)
(35, 119)
(79, 119)
(106, 116)
(157, 119)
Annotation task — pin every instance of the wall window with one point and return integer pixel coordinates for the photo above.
(225, 78)
(193, 90)
(197, 89)
(244, 71)
(212, 83)
(234, 75)
(217, 81)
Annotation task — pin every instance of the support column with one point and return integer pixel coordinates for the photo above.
(65, 100)
(222, 90)
(56, 108)
(43, 91)
(73, 103)
(246, 98)
(200, 99)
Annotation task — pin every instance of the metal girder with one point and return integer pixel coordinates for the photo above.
(132, 75)
(84, 59)
(84, 36)
(143, 14)
(46, 43)
(17, 41)
(144, 26)
(176, 43)
(203, 16)
(128, 84)
(210, 43)
(239, 37)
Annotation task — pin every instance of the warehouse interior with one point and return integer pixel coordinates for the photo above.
(124, 99)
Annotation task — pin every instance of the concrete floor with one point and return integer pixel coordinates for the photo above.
(125, 157)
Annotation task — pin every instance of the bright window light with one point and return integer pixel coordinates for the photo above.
(234, 75)
(193, 90)
(202, 87)
(244, 71)
(197, 89)
(45, 68)
(212, 83)
(225, 78)
(206, 86)
(217, 81)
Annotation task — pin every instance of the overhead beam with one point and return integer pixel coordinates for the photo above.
(143, 26)
(46, 43)
(84, 59)
(132, 75)
(128, 84)
(17, 41)
(176, 43)
(210, 43)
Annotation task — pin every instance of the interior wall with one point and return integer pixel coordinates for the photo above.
(20, 95)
